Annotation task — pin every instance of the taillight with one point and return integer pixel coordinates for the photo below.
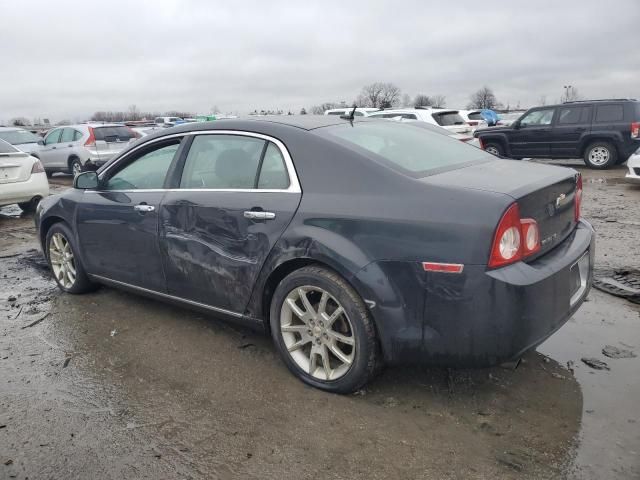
(635, 130)
(481, 143)
(37, 167)
(578, 197)
(91, 141)
(134, 134)
(515, 238)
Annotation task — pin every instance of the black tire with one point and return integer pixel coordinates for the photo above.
(600, 155)
(31, 205)
(49, 173)
(494, 149)
(82, 283)
(75, 167)
(363, 366)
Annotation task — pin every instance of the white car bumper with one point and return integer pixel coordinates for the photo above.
(633, 164)
(19, 192)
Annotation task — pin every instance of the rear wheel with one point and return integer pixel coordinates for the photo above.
(323, 330)
(62, 255)
(600, 155)
(31, 205)
(494, 149)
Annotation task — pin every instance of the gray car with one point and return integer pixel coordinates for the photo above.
(20, 138)
(86, 146)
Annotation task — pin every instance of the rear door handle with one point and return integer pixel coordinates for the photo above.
(259, 215)
(144, 208)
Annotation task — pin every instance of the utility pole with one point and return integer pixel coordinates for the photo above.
(566, 92)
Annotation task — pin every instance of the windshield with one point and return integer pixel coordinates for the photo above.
(18, 136)
(405, 147)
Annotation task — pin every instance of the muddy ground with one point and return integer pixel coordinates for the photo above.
(110, 385)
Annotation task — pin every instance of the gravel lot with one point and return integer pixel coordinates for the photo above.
(110, 385)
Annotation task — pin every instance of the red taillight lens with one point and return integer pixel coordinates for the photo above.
(481, 143)
(506, 242)
(37, 167)
(515, 238)
(578, 196)
(635, 130)
(91, 141)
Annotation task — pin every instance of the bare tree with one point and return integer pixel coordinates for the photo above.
(439, 100)
(303, 111)
(483, 98)
(542, 101)
(319, 109)
(422, 100)
(379, 95)
(20, 122)
(134, 113)
(406, 101)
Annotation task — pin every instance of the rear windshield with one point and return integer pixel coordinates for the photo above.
(414, 151)
(18, 137)
(7, 148)
(448, 118)
(475, 116)
(113, 134)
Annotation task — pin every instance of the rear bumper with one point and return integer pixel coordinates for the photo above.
(19, 192)
(479, 317)
(633, 166)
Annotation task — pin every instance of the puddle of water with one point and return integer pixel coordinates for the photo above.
(610, 432)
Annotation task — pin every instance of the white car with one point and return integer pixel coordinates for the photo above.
(449, 119)
(473, 118)
(144, 131)
(360, 111)
(168, 121)
(22, 178)
(633, 164)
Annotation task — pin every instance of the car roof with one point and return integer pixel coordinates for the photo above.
(7, 129)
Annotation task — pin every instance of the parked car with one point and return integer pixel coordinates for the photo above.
(633, 164)
(168, 121)
(449, 119)
(473, 118)
(86, 146)
(20, 138)
(352, 242)
(360, 111)
(144, 131)
(602, 132)
(463, 137)
(22, 178)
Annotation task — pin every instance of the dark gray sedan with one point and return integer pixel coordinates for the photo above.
(354, 243)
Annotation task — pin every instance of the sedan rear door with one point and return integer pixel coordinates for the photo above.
(235, 195)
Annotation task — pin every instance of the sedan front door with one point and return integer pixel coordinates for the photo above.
(118, 223)
(532, 136)
(234, 198)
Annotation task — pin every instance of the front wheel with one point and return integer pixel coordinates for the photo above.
(323, 330)
(600, 156)
(65, 263)
(494, 149)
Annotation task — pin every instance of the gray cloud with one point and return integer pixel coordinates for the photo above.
(68, 59)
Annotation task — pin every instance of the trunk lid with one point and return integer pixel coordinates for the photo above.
(15, 167)
(545, 193)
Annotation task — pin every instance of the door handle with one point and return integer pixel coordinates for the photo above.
(144, 208)
(259, 215)
(53, 148)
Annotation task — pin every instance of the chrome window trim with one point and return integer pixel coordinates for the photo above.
(294, 183)
(167, 296)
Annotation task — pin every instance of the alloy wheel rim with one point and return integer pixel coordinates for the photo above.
(599, 155)
(76, 169)
(492, 150)
(317, 333)
(62, 261)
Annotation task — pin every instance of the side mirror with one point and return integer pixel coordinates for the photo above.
(86, 181)
(40, 142)
(516, 125)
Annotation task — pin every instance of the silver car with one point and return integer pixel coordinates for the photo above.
(20, 138)
(86, 146)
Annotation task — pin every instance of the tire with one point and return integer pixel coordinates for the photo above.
(31, 205)
(75, 167)
(49, 173)
(600, 155)
(494, 149)
(357, 343)
(54, 248)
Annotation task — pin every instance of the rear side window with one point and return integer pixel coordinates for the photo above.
(609, 113)
(67, 135)
(448, 118)
(475, 116)
(571, 115)
(77, 135)
(409, 149)
(273, 172)
(113, 134)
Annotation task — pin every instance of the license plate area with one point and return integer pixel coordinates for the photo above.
(578, 276)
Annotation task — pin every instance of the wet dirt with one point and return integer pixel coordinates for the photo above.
(110, 385)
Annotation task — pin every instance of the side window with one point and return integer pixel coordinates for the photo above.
(609, 113)
(67, 135)
(570, 115)
(222, 162)
(53, 137)
(538, 117)
(77, 135)
(273, 173)
(145, 172)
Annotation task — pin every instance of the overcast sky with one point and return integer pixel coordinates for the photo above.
(64, 59)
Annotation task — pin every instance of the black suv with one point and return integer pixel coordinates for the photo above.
(602, 132)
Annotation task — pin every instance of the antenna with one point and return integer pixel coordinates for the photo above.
(351, 116)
